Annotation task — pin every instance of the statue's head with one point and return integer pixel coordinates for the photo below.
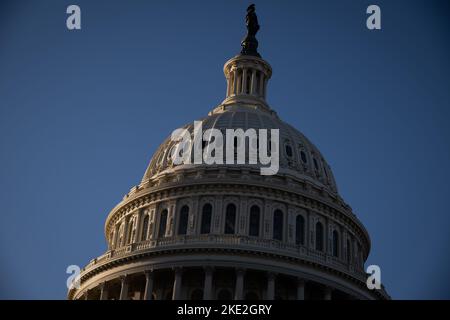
(251, 8)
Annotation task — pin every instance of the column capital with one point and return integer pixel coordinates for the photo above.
(148, 273)
(271, 275)
(123, 278)
(301, 281)
(208, 269)
(240, 271)
(178, 270)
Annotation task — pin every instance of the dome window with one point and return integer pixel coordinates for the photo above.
(278, 225)
(288, 151)
(254, 221)
(162, 224)
(299, 230)
(183, 220)
(335, 244)
(145, 228)
(303, 156)
(316, 165)
(230, 219)
(206, 219)
(319, 236)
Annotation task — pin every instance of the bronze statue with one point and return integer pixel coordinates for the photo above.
(250, 44)
(251, 21)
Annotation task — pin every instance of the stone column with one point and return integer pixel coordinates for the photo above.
(170, 225)
(152, 226)
(103, 291)
(300, 289)
(244, 81)
(239, 289)
(148, 285)
(137, 227)
(86, 295)
(116, 236)
(291, 224)
(267, 219)
(233, 88)
(265, 89)
(207, 287)
(217, 216)
(271, 286)
(176, 292)
(194, 216)
(253, 84)
(242, 220)
(261, 84)
(327, 293)
(125, 232)
(123, 288)
(238, 82)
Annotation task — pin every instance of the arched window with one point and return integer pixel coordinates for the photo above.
(145, 228)
(316, 165)
(300, 230)
(319, 236)
(162, 224)
(183, 220)
(230, 219)
(303, 156)
(288, 151)
(278, 225)
(349, 250)
(335, 243)
(206, 219)
(254, 221)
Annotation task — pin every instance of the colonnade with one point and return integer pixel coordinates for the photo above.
(209, 275)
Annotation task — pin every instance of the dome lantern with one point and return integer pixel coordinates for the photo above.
(247, 74)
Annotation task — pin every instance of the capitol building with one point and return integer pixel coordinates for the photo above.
(224, 231)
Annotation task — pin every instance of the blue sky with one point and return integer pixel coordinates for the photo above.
(81, 113)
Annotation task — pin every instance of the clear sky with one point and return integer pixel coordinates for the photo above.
(81, 113)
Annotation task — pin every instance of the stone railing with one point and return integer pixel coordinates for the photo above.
(226, 241)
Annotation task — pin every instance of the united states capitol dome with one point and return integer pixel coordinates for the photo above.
(225, 231)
